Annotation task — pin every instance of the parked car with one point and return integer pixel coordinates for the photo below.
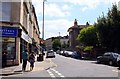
(50, 54)
(61, 52)
(118, 61)
(58, 52)
(67, 53)
(76, 55)
(108, 58)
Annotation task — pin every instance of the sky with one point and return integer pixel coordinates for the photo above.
(60, 15)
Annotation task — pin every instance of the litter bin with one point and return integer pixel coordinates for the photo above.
(41, 57)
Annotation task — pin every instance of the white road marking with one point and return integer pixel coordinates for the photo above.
(51, 74)
(57, 72)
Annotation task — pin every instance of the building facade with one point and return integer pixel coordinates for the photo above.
(48, 44)
(73, 33)
(63, 40)
(19, 30)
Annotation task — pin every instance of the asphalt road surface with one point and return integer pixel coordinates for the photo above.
(69, 67)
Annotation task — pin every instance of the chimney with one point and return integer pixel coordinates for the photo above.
(75, 23)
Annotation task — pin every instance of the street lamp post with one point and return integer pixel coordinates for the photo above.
(43, 21)
(43, 28)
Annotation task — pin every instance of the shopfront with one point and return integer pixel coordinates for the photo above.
(8, 42)
(25, 43)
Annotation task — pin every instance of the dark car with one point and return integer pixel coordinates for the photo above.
(50, 54)
(108, 58)
(118, 61)
(76, 55)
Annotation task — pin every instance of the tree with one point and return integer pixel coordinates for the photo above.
(64, 45)
(88, 36)
(88, 48)
(108, 29)
(56, 44)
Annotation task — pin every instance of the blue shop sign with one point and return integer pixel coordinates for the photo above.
(7, 31)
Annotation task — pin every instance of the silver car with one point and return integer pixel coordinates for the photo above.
(50, 54)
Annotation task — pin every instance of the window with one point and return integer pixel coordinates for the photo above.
(107, 54)
(6, 11)
(115, 55)
(8, 45)
(25, 18)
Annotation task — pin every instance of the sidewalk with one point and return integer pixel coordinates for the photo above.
(39, 66)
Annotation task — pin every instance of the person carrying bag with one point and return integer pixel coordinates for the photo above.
(25, 58)
(31, 60)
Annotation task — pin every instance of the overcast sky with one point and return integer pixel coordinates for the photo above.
(60, 15)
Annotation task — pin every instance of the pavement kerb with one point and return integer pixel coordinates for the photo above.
(8, 70)
(39, 66)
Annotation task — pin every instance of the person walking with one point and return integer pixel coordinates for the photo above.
(31, 60)
(4, 58)
(25, 58)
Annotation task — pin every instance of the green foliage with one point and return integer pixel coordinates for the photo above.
(88, 48)
(79, 47)
(88, 36)
(108, 29)
(56, 44)
(64, 45)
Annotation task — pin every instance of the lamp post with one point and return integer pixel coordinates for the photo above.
(43, 28)
(43, 21)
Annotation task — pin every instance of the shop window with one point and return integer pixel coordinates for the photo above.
(8, 45)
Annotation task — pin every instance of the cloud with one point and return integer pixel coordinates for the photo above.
(90, 4)
(84, 9)
(53, 27)
(51, 9)
(65, 7)
(59, 9)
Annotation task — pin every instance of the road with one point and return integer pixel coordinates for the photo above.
(69, 67)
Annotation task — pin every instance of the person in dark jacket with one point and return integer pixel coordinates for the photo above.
(4, 58)
(25, 58)
(31, 60)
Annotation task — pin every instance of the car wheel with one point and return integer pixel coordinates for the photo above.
(110, 63)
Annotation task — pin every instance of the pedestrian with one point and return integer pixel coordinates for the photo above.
(31, 60)
(4, 58)
(25, 58)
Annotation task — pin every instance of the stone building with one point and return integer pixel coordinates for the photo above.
(73, 33)
(63, 40)
(19, 30)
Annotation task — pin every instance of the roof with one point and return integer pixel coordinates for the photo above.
(77, 27)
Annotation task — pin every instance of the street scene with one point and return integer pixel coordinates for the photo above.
(62, 66)
(67, 39)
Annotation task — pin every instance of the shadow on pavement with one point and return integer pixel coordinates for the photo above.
(22, 71)
(14, 73)
(10, 74)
